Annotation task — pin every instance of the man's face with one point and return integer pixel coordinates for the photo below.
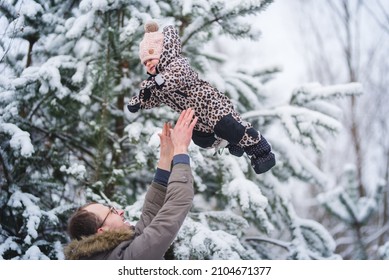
(114, 219)
(151, 66)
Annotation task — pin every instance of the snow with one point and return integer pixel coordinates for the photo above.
(78, 77)
(58, 250)
(29, 8)
(205, 242)
(77, 170)
(134, 131)
(155, 10)
(231, 222)
(346, 208)
(84, 95)
(384, 251)
(316, 91)
(134, 210)
(141, 158)
(301, 117)
(187, 7)
(34, 253)
(317, 236)
(94, 5)
(83, 22)
(129, 30)
(8, 244)
(245, 90)
(52, 76)
(31, 212)
(246, 193)
(154, 140)
(20, 140)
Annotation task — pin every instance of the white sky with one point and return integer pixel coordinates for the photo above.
(278, 43)
(277, 46)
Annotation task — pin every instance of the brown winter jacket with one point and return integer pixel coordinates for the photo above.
(163, 213)
(181, 88)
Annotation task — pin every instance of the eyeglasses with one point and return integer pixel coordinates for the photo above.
(111, 210)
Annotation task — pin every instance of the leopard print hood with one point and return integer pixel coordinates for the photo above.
(171, 47)
(97, 243)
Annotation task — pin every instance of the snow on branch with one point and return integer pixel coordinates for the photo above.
(49, 76)
(297, 164)
(301, 124)
(310, 92)
(31, 211)
(34, 253)
(79, 25)
(319, 242)
(384, 251)
(246, 195)
(205, 243)
(96, 5)
(31, 9)
(345, 203)
(8, 245)
(223, 220)
(310, 113)
(230, 10)
(20, 140)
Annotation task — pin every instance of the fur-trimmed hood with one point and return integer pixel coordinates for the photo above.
(97, 243)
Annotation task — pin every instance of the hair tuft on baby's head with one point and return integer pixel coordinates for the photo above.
(151, 26)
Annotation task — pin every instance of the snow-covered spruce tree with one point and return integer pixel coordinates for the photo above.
(65, 138)
(42, 87)
(65, 73)
(345, 204)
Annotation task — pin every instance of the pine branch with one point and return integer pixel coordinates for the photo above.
(11, 14)
(6, 168)
(66, 138)
(279, 243)
(227, 16)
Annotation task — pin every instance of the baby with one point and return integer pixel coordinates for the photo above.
(174, 83)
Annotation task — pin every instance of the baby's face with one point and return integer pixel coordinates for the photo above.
(151, 65)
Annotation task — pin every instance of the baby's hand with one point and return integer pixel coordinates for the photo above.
(134, 104)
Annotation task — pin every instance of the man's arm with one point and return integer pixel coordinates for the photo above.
(156, 193)
(156, 238)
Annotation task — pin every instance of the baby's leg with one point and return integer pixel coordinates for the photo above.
(242, 136)
(259, 151)
(203, 139)
(236, 131)
(262, 159)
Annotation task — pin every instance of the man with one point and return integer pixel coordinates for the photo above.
(101, 232)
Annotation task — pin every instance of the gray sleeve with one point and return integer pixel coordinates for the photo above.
(157, 236)
(154, 199)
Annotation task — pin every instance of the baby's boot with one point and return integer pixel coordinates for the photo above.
(235, 150)
(262, 159)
